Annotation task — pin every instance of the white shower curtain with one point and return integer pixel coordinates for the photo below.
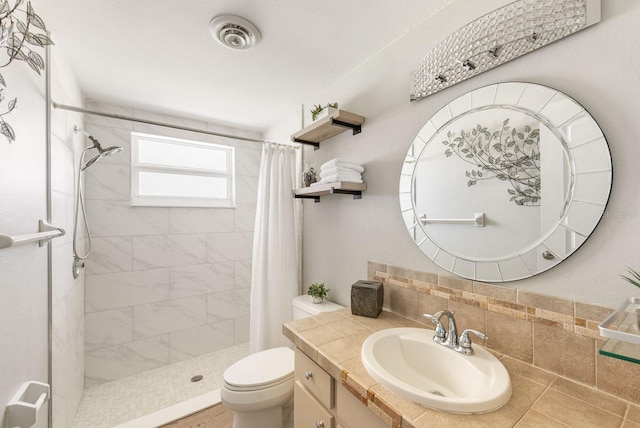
(275, 273)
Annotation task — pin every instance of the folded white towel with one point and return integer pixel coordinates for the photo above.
(336, 162)
(341, 170)
(341, 177)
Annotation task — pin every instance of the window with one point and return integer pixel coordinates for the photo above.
(171, 172)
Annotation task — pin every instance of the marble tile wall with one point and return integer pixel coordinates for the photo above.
(163, 284)
(554, 334)
(67, 315)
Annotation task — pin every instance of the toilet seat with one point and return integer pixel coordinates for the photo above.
(259, 388)
(261, 370)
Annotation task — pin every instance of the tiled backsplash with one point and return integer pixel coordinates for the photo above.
(552, 333)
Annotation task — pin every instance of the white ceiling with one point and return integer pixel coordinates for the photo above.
(158, 54)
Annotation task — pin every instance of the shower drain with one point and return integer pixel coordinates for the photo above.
(197, 378)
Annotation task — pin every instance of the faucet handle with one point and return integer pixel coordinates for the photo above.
(440, 333)
(465, 340)
(430, 318)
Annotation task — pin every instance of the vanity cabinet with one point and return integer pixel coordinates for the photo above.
(308, 411)
(320, 401)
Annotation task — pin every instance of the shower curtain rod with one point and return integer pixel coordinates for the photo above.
(166, 125)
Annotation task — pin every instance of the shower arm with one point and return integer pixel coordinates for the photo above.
(96, 143)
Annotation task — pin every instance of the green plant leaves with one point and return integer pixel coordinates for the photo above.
(635, 280)
(318, 290)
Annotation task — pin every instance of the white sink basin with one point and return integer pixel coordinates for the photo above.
(408, 362)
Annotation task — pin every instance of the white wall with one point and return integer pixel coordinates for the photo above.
(23, 269)
(164, 283)
(597, 67)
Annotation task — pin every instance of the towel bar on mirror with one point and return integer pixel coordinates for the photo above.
(477, 220)
(44, 234)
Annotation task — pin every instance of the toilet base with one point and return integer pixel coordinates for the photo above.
(274, 417)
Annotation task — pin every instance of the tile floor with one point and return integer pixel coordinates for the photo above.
(116, 402)
(214, 417)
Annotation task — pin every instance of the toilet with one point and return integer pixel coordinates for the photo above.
(259, 388)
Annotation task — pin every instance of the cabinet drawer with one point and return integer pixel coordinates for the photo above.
(314, 379)
(352, 413)
(309, 412)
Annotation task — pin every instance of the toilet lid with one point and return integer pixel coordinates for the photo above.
(261, 369)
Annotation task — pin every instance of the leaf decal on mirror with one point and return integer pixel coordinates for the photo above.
(507, 154)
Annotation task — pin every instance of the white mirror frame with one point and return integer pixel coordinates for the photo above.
(591, 178)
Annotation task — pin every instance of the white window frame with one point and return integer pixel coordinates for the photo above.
(177, 201)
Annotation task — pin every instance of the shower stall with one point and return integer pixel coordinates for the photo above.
(163, 290)
(166, 304)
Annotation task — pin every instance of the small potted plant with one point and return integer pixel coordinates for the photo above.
(317, 110)
(317, 292)
(634, 279)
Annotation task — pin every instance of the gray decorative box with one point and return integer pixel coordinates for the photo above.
(367, 298)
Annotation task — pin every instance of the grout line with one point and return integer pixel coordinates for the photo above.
(626, 414)
(535, 402)
(591, 404)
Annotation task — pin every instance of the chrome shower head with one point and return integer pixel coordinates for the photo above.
(109, 151)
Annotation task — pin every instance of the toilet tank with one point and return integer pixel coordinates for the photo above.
(303, 307)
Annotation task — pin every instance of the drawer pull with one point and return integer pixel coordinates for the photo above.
(319, 424)
(309, 375)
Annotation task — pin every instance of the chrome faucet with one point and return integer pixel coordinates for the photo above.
(449, 337)
(465, 341)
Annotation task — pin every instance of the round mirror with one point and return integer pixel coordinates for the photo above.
(505, 182)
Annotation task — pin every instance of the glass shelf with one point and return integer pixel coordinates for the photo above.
(622, 329)
(621, 350)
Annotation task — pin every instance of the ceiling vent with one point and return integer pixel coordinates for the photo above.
(234, 32)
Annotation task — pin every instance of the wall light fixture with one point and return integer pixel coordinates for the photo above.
(498, 37)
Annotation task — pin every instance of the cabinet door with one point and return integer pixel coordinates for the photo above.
(314, 379)
(352, 413)
(308, 412)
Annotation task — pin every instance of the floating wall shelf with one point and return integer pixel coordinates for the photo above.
(335, 123)
(339, 187)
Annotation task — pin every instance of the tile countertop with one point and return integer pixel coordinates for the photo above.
(540, 398)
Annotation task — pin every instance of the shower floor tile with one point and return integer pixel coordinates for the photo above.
(116, 402)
